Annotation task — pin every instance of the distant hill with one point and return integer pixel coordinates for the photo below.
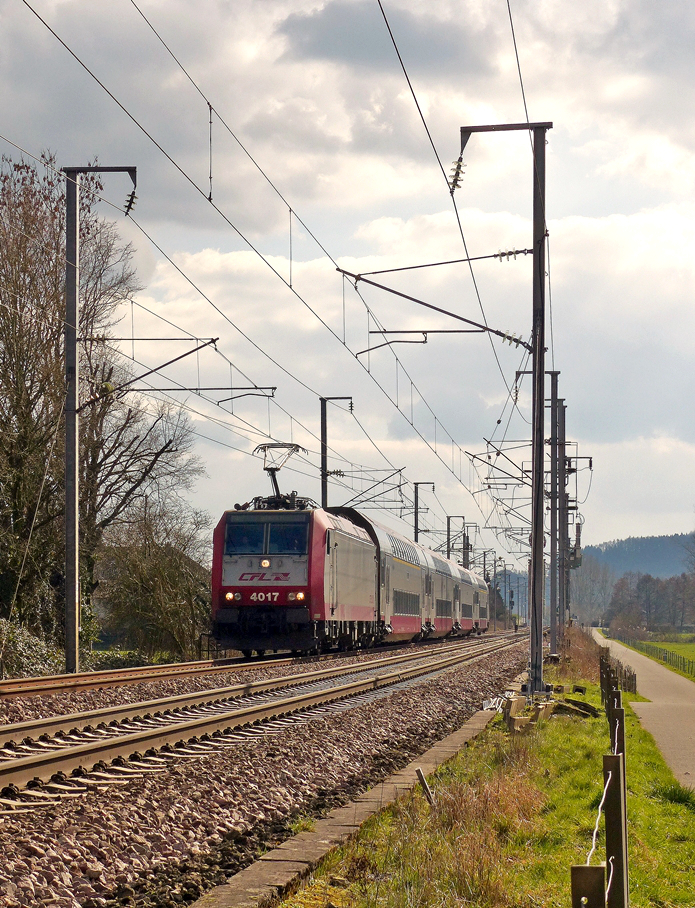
(660, 556)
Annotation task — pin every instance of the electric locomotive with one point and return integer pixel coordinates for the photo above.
(287, 574)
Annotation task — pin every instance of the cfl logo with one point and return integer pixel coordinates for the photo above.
(263, 577)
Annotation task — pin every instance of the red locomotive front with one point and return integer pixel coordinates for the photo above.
(260, 580)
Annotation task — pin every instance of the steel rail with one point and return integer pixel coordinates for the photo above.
(52, 725)
(22, 687)
(43, 766)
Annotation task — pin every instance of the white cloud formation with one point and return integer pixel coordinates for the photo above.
(315, 92)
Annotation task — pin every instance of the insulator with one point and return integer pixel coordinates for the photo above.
(130, 202)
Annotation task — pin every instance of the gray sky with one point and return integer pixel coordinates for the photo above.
(315, 93)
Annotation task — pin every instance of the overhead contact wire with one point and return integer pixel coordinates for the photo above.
(251, 246)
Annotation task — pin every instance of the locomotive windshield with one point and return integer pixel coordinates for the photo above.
(245, 538)
(287, 539)
(255, 537)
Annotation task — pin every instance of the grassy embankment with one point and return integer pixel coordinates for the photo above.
(684, 648)
(511, 815)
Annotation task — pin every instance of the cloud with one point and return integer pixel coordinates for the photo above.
(648, 498)
(352, 32)
(314, 91)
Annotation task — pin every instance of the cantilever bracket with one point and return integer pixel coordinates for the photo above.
(389, 343)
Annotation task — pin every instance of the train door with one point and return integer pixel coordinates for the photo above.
(429, 593)
(331, 575)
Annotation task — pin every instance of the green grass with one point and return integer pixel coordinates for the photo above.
(302, 824)
(511, 816)
(687, 650)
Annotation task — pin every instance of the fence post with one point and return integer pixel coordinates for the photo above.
(616, 698)
(616, 831)
(588, 886)
(618, 731)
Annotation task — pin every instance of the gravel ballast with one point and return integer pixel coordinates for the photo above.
(42, 706)
(164, 839)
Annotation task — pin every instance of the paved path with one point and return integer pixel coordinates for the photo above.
(670, 716)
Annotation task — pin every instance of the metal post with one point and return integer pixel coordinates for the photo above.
(538, 441)
(494, 596)
(553, 511)
(72, 395)
(416, 526)
(506, 598)
(324, 447)
(449, 518)
(72, 555)
(563, 529)
(324, 455)
(616, 831)
(489, 616)
(588, 885)
(618, 730)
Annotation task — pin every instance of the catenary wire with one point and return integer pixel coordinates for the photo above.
(207, 298)
(453, 200)
(364, 469)
(213, 204)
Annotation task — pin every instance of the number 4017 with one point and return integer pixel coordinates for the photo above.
(265, 597)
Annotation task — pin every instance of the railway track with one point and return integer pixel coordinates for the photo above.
(42, 761)
(53, 684)
(116, 677)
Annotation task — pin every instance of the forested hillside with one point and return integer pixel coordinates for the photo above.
(660, 556)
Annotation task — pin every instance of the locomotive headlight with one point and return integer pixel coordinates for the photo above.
(228, 596)
(291, 597)
(265, 562)
(237, 596)
(300, 596)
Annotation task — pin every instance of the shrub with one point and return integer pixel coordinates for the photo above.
(23, 654)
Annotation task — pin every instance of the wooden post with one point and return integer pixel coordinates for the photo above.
(609, 699)
(602, 671)
(618, 732)
(427, 791)
(616, 831)
(589, 886)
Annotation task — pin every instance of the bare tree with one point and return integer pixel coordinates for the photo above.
(592, 588)
(31, 390)
(131, 450)
(159, 599)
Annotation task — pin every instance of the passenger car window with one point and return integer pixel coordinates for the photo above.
(287, 539)
(244, 538)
